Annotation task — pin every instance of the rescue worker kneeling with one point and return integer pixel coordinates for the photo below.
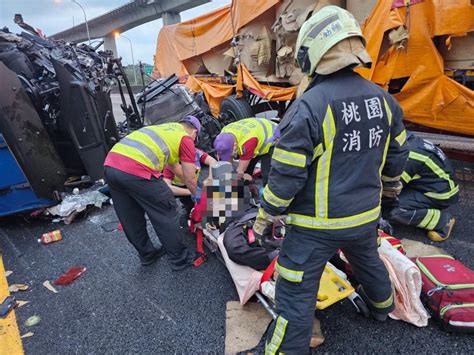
(173, 176)
(429, 189)
(133, 169)
(251, 140)
(340, 140)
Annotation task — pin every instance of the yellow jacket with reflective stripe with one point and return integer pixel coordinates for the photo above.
(153, 146)
(248, 128)
(177, 181)
(338, 141)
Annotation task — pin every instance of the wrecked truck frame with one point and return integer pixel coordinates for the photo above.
(56, 118)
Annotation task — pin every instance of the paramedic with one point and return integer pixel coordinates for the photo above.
(251, 139)
(133, 169)
(342, 146)
(428, 190)
(173, 177)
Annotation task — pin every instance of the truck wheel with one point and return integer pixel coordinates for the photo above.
(233, 109)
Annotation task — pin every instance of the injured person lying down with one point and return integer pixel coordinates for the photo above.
(229, 205)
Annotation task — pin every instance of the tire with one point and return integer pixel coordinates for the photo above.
(233, 109)
(361, 307)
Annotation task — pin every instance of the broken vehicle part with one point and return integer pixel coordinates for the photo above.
(70, 275)
(56, 116)
(33, 169)
(165, 101)
(80, 119)
(7, 306)
(134, 120)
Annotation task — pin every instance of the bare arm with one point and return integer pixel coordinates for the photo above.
(177, 191)
(189, 176)
(243, 165)
(210, 161)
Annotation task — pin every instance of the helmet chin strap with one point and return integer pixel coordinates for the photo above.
(303, 59)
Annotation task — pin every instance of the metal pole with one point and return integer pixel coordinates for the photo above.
(133, 59)
(85, 19)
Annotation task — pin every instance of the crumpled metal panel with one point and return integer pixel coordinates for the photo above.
(27, 137)
(81, 121)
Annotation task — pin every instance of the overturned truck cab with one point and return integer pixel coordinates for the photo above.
(56, 118)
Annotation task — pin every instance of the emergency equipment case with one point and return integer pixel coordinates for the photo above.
(448, 291)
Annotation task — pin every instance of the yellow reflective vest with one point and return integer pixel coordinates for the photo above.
(153, 146)
(177, 181)
(248, 128)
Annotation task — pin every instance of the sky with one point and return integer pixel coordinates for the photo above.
(52, 17)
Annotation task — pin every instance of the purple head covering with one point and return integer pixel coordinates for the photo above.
(224, 146)
(193, 121)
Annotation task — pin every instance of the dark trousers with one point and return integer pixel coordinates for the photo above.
(416, 209)
(133, 197)
(300, 266)
(265, 163)
(185, 210)
(188, 204)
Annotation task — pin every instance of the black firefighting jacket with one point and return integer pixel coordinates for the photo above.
(339, 140)
(428, 170)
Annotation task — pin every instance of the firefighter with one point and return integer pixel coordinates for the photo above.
(173, 177)
(251, 140)
(133, 169)
(341, 147)
(429, 189)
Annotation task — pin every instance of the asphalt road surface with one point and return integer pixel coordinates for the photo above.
(118, 306)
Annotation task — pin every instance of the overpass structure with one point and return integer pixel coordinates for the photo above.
(126, 17)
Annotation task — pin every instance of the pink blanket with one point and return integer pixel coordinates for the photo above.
(406, 280)
(246, 279)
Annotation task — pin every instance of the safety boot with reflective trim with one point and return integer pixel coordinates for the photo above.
(378, 313)
(440, 236)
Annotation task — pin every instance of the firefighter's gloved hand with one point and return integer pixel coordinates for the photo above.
(263, 226)
(391, 189)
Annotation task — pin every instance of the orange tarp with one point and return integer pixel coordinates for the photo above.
(215, 92)
(188, 39)
(271, 93)
(429, 97)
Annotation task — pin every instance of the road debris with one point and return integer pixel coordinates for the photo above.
(33, 320)
(8, 273)
(20, 303)
(51, 237)
(50, 287)
(110, 226)
(18, 287)
(7, 305)
(27, 335)
(69, 276)
(78, 203)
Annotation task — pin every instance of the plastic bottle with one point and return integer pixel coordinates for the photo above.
(51, 237)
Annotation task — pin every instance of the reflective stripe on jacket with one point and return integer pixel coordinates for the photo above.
(248, 128)
(338, 142)
(153, 146)
(429, 170)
